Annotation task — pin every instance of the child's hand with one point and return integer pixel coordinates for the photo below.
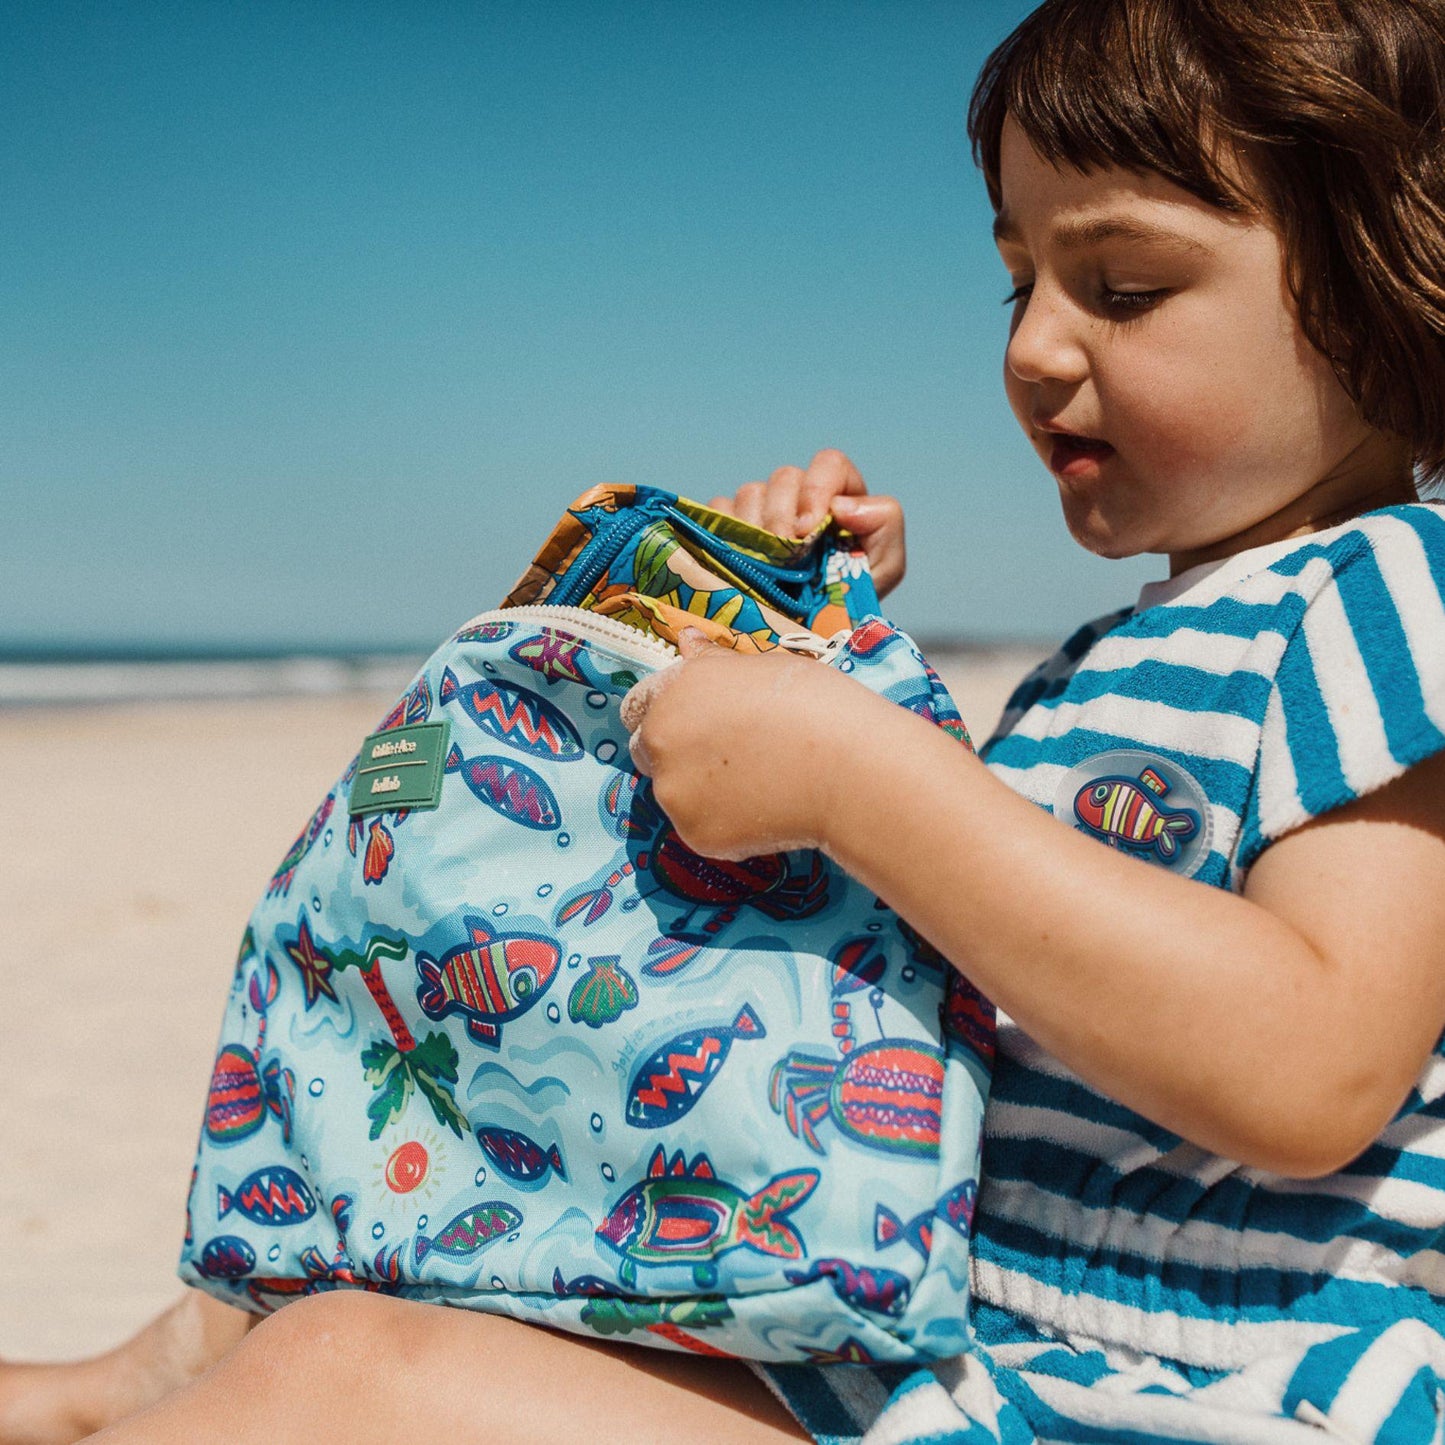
(743, 751)
(792, 501)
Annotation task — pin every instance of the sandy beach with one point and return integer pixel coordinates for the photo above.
(138, 837)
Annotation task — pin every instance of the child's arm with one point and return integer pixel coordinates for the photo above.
(1282, 1029)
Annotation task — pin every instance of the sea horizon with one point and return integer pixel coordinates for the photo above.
(75, 673)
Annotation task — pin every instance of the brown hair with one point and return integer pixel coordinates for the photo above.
(1336, 111)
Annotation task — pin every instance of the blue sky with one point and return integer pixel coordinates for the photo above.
(316, 316)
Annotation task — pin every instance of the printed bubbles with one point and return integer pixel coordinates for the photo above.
(408, 1167)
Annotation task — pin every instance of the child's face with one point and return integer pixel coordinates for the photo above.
(1157, 364)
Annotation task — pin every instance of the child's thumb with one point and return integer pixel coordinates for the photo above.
(862, 515)
(693, 640)
(877, 522)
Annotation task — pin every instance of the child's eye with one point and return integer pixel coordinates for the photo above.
(1123, 302)
(1019, 293)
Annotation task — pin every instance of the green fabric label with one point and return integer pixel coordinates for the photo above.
(400, 768)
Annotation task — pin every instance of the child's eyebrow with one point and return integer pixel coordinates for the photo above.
(1073, 235)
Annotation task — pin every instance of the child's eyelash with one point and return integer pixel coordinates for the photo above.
(1129, 300)
(1109, 299)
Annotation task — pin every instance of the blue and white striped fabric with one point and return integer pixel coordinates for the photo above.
(1129, 1286)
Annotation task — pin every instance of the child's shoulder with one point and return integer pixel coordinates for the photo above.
(1287, 680)
(1386, 567)
(1407, 542)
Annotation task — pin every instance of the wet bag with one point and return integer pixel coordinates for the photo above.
(498, 1039)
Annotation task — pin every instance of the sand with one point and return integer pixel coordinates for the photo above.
(136, 841)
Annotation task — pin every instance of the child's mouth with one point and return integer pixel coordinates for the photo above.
(1076, 456)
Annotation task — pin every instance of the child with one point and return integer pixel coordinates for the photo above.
(1215, 1171)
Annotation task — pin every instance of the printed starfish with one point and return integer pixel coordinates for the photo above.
(314, 963)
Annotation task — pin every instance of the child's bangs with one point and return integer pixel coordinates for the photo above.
(1096, 85)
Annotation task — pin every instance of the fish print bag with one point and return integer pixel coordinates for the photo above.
(497, 1038)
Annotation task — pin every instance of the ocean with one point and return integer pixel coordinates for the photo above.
(980, 674)
(35, 677)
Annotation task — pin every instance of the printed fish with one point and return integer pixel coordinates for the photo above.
(515, 716)
(319, 1274)
(484, 632)
(511, 789)
(670, 1081)
(627, 806)
(888, 1229)
(555, 655)
(470, 1232)
(227, 1256)
(850, 1352)
(968, 1017)
(1124, 812)
(411, 707)
(882, 1291)
(285, 872)
(273, 1195)
(956, 1207)
(687, 1215)
(487, 981)
(517, 1156)
(585, 1284)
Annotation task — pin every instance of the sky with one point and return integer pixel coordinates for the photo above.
(315, 316)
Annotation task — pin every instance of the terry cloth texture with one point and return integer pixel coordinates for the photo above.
(1129, 1286)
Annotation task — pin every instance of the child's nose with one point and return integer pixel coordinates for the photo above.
(1044, 345)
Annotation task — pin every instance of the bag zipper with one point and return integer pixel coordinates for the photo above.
(628, 643)
(633, 645)
(597, 556)
(768, 580)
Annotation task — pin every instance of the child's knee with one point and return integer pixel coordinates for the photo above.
(334, 1340)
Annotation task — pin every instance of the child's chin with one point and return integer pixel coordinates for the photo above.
(1097, 532)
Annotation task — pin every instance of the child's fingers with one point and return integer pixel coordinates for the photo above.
(748, 502)
(830, 474)
(780, 501)
(640, 696)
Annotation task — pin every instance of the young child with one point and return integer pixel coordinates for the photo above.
(1215, 1166)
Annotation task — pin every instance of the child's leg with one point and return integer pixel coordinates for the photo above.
(366, 1368)
(51, 1404)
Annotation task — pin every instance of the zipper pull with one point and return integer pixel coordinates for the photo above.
(809, 644)
(804, 644)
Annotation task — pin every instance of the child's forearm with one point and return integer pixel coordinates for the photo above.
(1193, 1006)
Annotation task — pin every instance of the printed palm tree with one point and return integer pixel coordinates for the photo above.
(611, 1316)
(394, 1069)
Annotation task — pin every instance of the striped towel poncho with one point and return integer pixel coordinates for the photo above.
(1129, 1286)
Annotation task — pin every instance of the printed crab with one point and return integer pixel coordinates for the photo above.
(247, 1082)
(886, 1095)
(779, 885)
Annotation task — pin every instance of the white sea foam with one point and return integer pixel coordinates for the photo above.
(64, 683)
